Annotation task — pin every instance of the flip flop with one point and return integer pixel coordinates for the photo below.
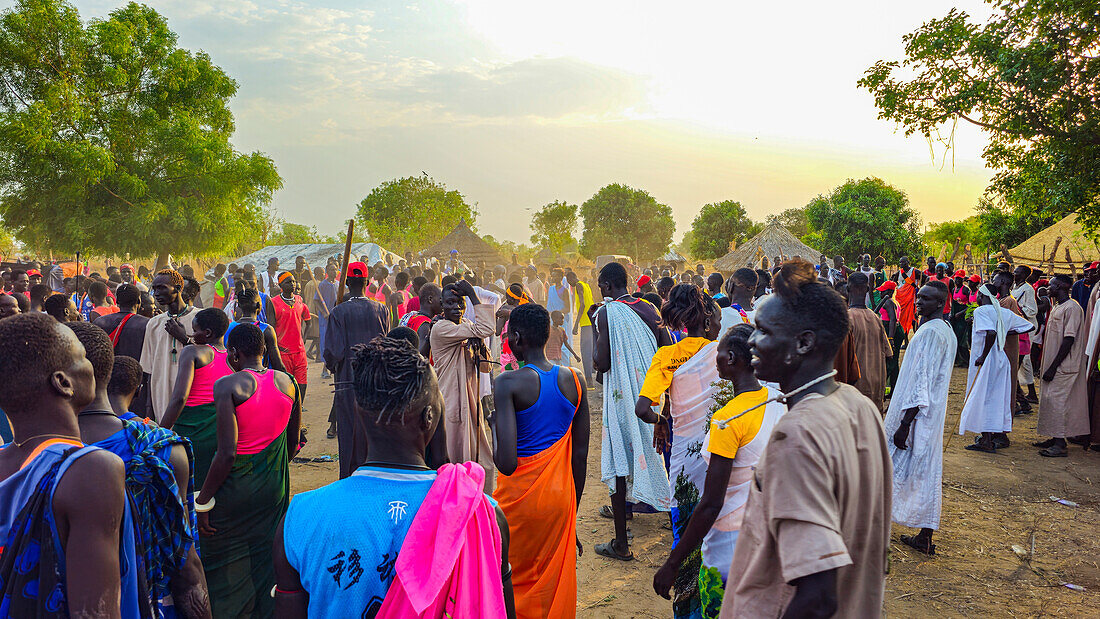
(977, 447)
(910, 541)
(1051, 452)
(608, 550)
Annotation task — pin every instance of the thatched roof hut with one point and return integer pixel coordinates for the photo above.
(774, 240)
(472, 249)
(1069, 237)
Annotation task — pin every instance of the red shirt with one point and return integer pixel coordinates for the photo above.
(288, 323)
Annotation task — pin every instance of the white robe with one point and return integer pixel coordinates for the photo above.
(923, 383)
(988, 406)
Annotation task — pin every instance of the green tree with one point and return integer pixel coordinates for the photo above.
(1028, 79)
(623, 220)
(864, 216)
(411, 213)
(554, 226)
(684, 246)
(718, 224)
(8, 244)
(794, 220)
(968, 230)
(295, 234)
(113, 140)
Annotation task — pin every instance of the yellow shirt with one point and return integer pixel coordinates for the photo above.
(584, 301)
(665, 363)
(740, 431)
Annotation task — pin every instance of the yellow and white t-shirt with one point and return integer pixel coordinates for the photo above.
(665, 363)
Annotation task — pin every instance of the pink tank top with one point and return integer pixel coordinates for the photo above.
(202, 386)
(262, 417)
(378, 295)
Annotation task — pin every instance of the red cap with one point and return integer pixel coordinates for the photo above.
(33, 272)
(1094, 266)
(643, 280)
(890, 285)
(977, 279)
(1042, 282)
(126, 267)
(960, 273)
(358, 269)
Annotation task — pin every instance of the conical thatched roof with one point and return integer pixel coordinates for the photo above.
(774, 240)
(1037, 249)
(471, 247)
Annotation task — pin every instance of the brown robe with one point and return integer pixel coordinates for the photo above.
(872, 348)
(846, 364)
(1063, 402)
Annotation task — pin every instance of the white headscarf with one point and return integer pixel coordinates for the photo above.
(1002, 330)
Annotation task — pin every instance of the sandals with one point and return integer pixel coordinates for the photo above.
(910, 541)
(1044, 444)
(1054, 452)
(609, 513)
(980, 447)
(608, 550)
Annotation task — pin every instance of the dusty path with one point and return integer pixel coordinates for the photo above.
(990, 503)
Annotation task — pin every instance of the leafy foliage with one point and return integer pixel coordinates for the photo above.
(718, 224)
(1028, 78)
(623, 220)
(411, 213)
(554, 226)
(506, 248)
(794, 220)
(864, 216)
(968, 230)
(113, 140)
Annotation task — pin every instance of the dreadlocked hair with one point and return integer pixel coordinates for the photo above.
(809, 305)
(388, 374)
(685, 308)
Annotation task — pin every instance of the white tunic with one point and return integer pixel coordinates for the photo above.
(988, 406)
(922, 383)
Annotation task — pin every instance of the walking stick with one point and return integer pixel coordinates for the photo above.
(347, 258)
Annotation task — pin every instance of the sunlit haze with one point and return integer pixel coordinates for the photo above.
(517, 104)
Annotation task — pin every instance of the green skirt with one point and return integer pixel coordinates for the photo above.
(248, 508)
(199, 424)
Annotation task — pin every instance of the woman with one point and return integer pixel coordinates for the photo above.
(191, 412)
(248, 308)
(960, 303)
(686, 371)
(516, 297)
(247, 488)
(732, 449)
(888, 313)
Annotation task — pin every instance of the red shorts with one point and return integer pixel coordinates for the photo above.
(295, 363)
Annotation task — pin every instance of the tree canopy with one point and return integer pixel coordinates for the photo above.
(113, 140)
(1028, 79)
(623, 220)
(411, 213)
(864, 216)
(794, 220)
(968, 230)
(554, 226)
(716, 225)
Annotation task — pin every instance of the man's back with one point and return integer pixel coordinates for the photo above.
(132, 336)
(357, 320)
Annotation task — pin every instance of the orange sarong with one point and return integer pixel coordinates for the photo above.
(907, 311)
(540, 502)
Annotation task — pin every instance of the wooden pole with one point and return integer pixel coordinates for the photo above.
(347, 259)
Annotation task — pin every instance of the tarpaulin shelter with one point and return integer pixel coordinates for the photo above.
(316, 254)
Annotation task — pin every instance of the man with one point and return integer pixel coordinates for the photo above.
(34, 277)
(1063, 401)
(987, 408)
(126, 272)
(326, 300)
(1025, 297)
(741, 290)
(1082, 288)
(815, 537)
(37, 294)
(8, 305)
(222, 287)
(20, 283)
(535, 286)
(582, 324)
(714, 285)
(931, 270)
(54, 490)
(872, 347)
(558, 300)
(127, 332)
(540, 443)
(269, 279)
(630, 327)
(288, 315)
(457, 348)
(914, 422)
(60, 307)
(158, 481)
(357, 320)
(430, 306)
(165, 336)
(331, 562)
(907, 279)
(1002, 283)
(840, 271)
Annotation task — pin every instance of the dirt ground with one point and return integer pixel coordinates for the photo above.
(991, 502)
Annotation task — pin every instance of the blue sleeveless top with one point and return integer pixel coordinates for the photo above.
(545, 422)
(18, 489)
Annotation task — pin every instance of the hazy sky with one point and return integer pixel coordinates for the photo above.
(516, 103)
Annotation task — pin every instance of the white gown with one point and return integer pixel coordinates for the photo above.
(923, 383)
(988, 406)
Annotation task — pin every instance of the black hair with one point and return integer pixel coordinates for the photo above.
(39, 292)
(654, 299)
(429, 274)
(665, 282)
(714, 281)
(97, 290)
(532, 322)
(737, 338)
(808, 305)
(401, 280)
(404, 333)
(747, 277)
(614, 274)
(939, 286)
(249, 297)
(724, 301)
(1065, 279)
(214, 320)
(419, 281)
(31, 349)
(55, 305)
(447, 280)
(128, 295)
(126, 376)
(97, 348)
(685, 308)
(453, 289)
(23, 302)
(247, 339)
(388, 375)
(859, 279)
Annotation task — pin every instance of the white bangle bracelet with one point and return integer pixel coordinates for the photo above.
(205, 507)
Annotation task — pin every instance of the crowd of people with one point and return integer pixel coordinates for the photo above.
(782, 418)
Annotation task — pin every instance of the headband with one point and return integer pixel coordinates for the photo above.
(284, 275)
(522, 298)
